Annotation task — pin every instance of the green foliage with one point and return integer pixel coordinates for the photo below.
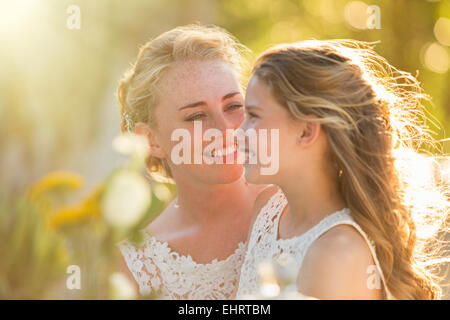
(32, 257)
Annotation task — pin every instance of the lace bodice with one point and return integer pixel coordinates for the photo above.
(264, 243)
(158, 269)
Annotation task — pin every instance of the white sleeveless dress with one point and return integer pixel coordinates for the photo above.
(158, 269)
(263, 243)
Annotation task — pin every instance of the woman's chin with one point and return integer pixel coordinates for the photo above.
(225, 174)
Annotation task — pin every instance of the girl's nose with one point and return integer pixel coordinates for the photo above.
(244, 125)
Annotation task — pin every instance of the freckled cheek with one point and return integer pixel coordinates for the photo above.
(168, 144)
(166, 137)
(238, 119)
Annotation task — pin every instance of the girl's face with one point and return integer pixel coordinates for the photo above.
(208, 92)
(264, 112)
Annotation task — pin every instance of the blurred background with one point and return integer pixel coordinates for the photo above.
(58, 74)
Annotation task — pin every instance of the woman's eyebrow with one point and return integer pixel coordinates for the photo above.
(192, 105)
(229, 95)
(203, 103)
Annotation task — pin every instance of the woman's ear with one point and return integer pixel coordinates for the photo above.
(155, 149)
(309, 132)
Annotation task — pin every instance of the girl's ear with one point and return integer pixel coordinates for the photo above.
(309, 132)
(155, 149)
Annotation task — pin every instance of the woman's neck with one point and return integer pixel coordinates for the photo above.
(202, 203)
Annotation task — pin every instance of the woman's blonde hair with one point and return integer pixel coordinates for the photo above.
(374, 122)
(138, 89)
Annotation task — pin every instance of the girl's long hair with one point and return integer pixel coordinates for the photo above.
(374, 120)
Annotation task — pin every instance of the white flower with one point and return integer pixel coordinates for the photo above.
(286, 269)
(126, 199)
(130, 143)
(121, 287)
(269, 287)
(266, 271)
(162, 192)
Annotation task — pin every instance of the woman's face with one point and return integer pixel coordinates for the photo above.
(207, 92)
(265, 113)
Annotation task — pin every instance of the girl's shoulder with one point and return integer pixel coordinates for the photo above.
(263, 198)
(338, 265)
(265, 195)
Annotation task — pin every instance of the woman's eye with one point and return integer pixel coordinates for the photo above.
(194, 117)
(234, 107)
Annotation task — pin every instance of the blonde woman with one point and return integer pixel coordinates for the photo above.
(194, 249)
(346, 210)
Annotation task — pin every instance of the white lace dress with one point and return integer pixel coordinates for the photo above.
(158, 269)
(264, 243)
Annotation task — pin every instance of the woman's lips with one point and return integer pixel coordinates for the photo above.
(225, 153)
(231, 154)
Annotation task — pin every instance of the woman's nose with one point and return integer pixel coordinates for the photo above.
(223, 122)
(226, 125)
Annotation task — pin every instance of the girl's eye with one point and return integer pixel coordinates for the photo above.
(194, 117)
(252, 115)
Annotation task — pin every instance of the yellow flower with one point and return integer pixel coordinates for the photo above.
(92, 201)
(68, 215)
(53, 180)
(88, 207)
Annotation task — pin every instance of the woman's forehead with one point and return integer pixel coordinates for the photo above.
(197, 80)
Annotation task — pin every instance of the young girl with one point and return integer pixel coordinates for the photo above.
(346, 207)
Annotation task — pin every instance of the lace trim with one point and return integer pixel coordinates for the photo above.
(261, 243)
(151, 240)
(158, 269)
(264, 243)
(266, 218)
(314, 230)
